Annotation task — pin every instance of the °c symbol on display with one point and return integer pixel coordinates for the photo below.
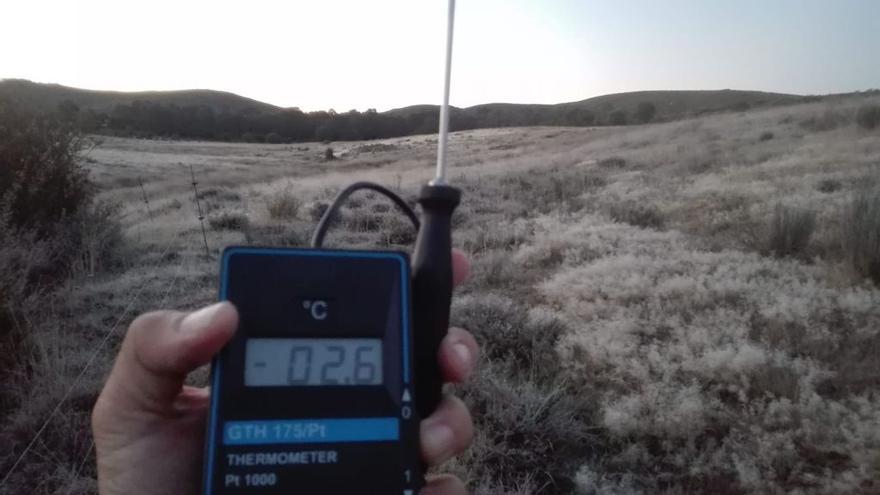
(317, 309)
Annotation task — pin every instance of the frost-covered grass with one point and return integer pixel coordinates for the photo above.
(639, 336)
(717, 366)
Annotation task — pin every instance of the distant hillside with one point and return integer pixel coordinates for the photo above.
(217, 115)
(668, 105)
(47, 97)
(676, 104)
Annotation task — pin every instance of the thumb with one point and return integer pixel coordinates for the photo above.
(160, 348)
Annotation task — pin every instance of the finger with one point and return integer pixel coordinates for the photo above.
(160, 348)
(447, 432)
(444, 484)
(192, 399)
(461, 267)
(458, 355)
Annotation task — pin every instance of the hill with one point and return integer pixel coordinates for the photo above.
(667, 105)
(675, 104)
(47, 97)
(217, 115)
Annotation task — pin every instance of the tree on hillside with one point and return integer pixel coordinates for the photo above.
(617, 117)
(579, 117)
(67, 111)
(645, 112)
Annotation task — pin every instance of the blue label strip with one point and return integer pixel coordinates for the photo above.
(311, 431)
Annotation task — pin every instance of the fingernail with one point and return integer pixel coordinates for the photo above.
(200, 319)
(437, 440)
(463, 353)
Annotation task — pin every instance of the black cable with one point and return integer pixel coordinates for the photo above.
(328, 217)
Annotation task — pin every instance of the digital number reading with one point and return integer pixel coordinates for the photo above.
(304, 362)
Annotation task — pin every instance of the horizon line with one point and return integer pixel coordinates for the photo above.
(181, 90)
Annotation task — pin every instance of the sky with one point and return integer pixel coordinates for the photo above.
(383, 54)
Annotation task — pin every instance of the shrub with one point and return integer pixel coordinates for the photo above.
(283, 206)
(220, 194)
(503, 237)
(354, 202)
(228, 220)
(380, 208)
(766, 136)
(868, 116)
(790, 231)
(95, 236)
(47, 209)
(51, 230)
(398, 229)
(169, 206)
(592, 181)
(328, 154)
(526, 434)
(24, 258)
(507, 331)
(612, 162)
(495, 271)
(41, 178)
(362, 221)
(528, 424)
(861, 234)
(826, 121)
(637, 214)
(829, 185)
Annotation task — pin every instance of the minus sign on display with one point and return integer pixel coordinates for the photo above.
(261, 364)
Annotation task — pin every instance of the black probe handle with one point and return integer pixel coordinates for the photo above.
(432, 291)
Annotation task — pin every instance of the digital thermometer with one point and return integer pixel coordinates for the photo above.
(335, 361)
(314, 394)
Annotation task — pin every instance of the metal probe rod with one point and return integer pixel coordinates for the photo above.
(440, 178)
(432, 262)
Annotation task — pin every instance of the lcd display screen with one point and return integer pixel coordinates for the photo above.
(312, 362)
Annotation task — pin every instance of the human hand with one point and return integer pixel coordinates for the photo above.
(149, 427)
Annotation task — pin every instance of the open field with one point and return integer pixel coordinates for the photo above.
(643, 330)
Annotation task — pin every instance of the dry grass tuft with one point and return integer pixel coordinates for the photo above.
(510, 333)
(220, 194)
(638, 214)
(790, 231)
(228, 219)
(283, 206)
(861, 234)
(868, 116)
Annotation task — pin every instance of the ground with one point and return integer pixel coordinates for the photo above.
(643, 332)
